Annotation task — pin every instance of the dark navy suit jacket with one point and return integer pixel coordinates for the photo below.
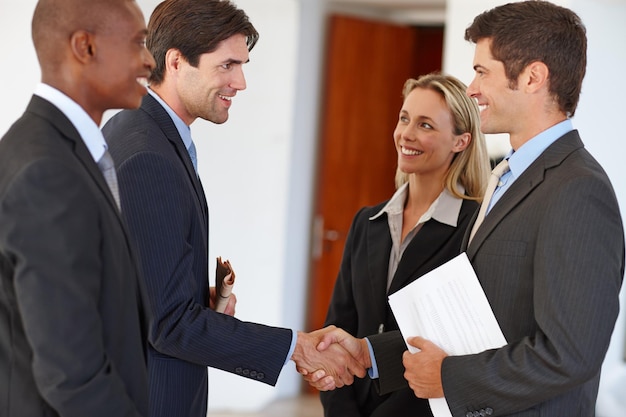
(165, 206)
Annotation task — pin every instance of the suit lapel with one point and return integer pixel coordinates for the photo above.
(52, 114)
(424, 246)
(378, 250)
(165, 123)
(528, 181)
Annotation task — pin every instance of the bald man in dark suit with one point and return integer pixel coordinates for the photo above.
(73, 322)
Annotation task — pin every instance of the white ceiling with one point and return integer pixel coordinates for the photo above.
(399, 11)
(394, 3)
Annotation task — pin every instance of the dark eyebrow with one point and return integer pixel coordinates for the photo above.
(235, 61)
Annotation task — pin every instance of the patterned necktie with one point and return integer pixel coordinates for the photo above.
(107, 167)
(500, 169)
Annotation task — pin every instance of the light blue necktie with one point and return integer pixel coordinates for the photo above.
(193, 156)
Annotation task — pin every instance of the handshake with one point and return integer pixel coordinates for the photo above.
(329, 358)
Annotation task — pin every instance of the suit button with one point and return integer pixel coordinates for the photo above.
(260, 375)
(253, 374)
(246, 372)
(469, 414)
(476, 413)
(489, 411)
(238, 371)
(482, 412)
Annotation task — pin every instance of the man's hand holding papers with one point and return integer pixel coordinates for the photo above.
(423, 368)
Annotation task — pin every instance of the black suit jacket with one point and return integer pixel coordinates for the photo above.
(164, 204)
(360, 306)
(72, 331)
(550, 258)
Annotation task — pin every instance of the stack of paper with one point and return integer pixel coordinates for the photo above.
(448, 307)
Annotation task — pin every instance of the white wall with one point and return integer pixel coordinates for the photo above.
(599, 119)
(18, 66)
(258, 168)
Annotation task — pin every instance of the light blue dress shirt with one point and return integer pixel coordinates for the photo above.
(521, 159)
(183, 129)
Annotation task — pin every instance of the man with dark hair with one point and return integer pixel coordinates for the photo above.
(73, 328)
(549, 253)
(200, 47)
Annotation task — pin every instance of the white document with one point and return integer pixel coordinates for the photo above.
(448, 307)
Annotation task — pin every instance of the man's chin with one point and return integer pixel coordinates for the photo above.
(218, 120)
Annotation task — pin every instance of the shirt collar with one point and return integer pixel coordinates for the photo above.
(84, 124)
(183, 130)
(521, 159)
(445, 209)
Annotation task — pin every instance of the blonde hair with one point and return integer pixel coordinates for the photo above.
(469, 167)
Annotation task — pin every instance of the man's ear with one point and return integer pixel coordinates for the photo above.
(173, 60)
(535, 76)
(83, 46)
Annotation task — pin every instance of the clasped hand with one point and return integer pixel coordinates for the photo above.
(330, 358)
(335, 357)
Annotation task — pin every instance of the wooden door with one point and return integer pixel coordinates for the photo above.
(367, 64)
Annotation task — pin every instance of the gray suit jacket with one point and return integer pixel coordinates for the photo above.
(164, 204)
(72, 328)
(550, 258)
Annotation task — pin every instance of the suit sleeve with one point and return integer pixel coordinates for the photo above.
(48, 221)
(388, 348)
(576, 261)
(157, 203)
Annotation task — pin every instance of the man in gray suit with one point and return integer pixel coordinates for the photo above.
(550, 252)
(73, 327)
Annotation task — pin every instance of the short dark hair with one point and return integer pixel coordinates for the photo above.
(194, 27)
(531, 31)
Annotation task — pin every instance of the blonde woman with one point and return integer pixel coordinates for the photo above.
(442, 173)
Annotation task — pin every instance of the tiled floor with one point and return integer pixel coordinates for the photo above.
(305, 406)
